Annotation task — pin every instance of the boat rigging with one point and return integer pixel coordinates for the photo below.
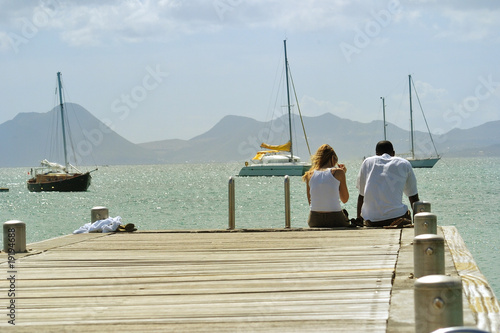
(279, 160)
(52, 176)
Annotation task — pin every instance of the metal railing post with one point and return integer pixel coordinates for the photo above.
(231, 203)
(428, 255)
(14, 237)
(438, 303)
(287, 202)
(421, 206)
(425, 223)
(98, 213)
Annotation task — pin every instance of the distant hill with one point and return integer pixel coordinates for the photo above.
(482, 140)
(31, 137)
(25, 140)
(237, 138)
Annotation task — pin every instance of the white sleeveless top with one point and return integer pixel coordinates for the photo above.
(324, 190)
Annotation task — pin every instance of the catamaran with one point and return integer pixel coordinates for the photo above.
(277, 160)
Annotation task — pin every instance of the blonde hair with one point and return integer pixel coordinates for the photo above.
(319, 160)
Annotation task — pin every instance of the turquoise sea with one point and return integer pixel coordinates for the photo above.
(463, 193)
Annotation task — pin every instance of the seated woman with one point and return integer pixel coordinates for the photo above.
(326, 187)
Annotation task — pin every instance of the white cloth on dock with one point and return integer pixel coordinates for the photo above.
(108, 225)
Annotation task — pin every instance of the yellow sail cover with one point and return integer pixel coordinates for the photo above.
(284, 147)
(261, 154)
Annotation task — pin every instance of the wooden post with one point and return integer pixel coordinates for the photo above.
(287, 202)
(231, 203)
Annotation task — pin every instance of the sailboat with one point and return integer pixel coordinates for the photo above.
(415, 162)
(428, 162)
(52, 176)
(277, 160)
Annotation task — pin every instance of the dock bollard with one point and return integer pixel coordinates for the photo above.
(98, 213)
(421, 206)
(14, 236)
(438, 303)
(428, 255)
(425, 223)
(287, 202)
(231, 204)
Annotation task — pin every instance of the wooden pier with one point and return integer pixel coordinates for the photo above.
(285, 280)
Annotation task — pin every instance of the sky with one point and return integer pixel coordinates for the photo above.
(172, 69)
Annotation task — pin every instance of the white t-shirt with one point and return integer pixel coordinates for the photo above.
(324, 190)
(382, 180)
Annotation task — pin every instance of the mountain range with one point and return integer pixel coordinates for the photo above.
(30, 137)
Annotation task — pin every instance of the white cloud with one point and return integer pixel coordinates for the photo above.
(4, 41)
(96, 22)
(426, 90)
(92, 25)
(480, 24)
(461, 21)
(294, 15)
(202, 44)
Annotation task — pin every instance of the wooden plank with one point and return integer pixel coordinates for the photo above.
(402, 310)
(277, 281)
(286, 280)
(481, 297)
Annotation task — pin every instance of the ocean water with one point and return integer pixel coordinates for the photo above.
(463, 193)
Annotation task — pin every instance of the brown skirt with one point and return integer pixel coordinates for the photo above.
(327, 220)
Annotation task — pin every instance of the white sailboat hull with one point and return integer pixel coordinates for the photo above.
(423, 162)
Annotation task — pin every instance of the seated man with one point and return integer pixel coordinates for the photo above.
(382, 180)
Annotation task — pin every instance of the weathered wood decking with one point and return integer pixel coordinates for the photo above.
(267, 281)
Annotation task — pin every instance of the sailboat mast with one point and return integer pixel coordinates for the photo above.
(411, 120)
(62, 119)
(383, 112)
(288, 103)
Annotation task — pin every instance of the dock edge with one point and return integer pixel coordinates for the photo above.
(482, 299)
